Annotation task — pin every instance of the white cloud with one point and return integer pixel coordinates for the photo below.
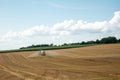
(92, 27)
(67, 27)
(114, 23)
(36, 30)
(62, 33)
(62, 28)
(116, 18)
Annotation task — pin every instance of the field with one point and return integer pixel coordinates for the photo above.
(100, 62)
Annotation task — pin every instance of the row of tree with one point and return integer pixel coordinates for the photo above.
(105, 40)
(38, 45)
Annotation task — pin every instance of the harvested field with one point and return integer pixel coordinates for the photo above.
(101, 62)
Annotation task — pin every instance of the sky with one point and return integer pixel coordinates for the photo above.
(27, 22)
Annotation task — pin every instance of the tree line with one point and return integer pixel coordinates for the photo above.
(105, 40)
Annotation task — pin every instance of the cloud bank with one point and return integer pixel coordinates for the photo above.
(67, 27)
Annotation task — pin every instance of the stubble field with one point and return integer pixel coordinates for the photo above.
(101, 62)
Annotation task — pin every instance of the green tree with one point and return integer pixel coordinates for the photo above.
(109, 40)
(119, 40)
(97, 41)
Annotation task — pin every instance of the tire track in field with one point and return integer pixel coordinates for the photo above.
(19, 61)
(13, 73)
(43, 75)
(6, 60)
(32, 64)
(11, 69)
(25, 67)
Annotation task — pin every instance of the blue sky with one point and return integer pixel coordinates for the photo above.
(26, 22)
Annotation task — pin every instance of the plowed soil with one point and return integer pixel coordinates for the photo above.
(101, 62)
